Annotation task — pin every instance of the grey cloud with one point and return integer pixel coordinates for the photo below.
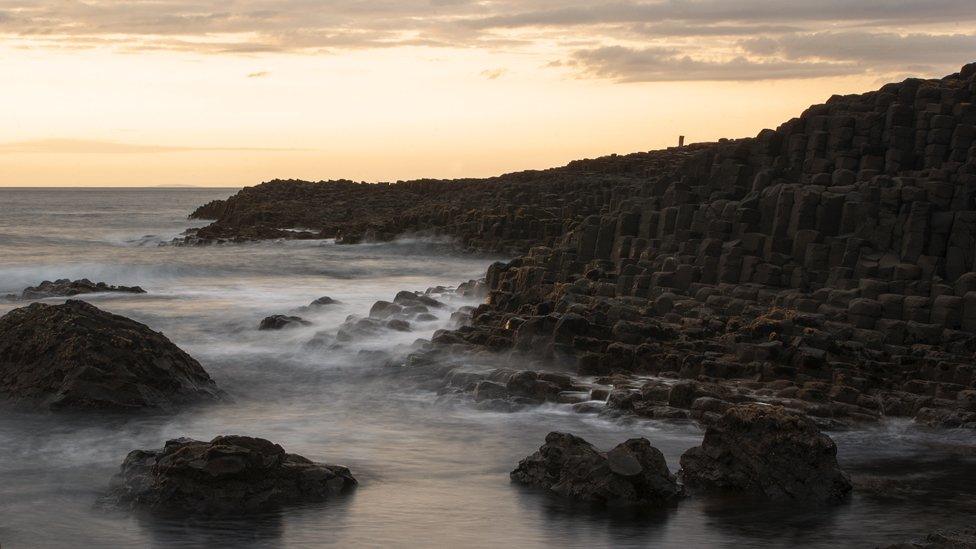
(665, 65)
(877, 48)
(677, 29)
(744, 11)
(624, 40)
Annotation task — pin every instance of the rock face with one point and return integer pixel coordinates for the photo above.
(228, 475)
(831, 260)
(77, 356)
(634, 472)
(280, 322)
(768, 452)
(67, 288)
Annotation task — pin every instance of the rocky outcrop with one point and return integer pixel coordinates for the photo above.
(229, 475)
(76, 356)
(68, 288)
(829, 261)
(280, 322)
(769, 452)
(633, 472)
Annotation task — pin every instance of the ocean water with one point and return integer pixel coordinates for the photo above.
(432, 474)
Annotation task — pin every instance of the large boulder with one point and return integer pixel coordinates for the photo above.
(228, 475)
(77, 356)
(68, 288)
(766, 451)
(634, 472)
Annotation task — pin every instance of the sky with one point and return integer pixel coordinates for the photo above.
(235, 92)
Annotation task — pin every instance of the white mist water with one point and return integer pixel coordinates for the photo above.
(430, 474)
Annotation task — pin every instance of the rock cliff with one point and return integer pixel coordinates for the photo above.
(831, 260)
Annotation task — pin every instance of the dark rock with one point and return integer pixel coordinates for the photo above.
(398, 325)
(963, 538)
(357, 328)
(229, 475)
(323, 301)
(406, 299)
(489, 390)
(280, 322)
(68, 288)
(766, 451)
(384, 309)
(634, 472)
(77, 356)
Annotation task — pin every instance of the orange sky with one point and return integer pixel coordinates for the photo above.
(234, 93)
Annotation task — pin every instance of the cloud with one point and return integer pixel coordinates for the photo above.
(731, 11)
(86, 146)
(624, 40)
(258, 74)
(668, 65)
(878, 49)
(494, 74)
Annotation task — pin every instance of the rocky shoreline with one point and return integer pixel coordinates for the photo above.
(819, 276)
(830, 262)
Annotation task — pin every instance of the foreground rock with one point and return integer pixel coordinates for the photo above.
(634, 472)
(964, 538)
(77, 356)
(68, 288)
(228, 475)
(769, 452)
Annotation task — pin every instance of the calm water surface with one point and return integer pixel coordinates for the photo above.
(431, 474)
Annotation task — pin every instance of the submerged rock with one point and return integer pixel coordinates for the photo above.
(279, 322)
(634, 472)
(228, 475)
(766, 451)
(67, 288)
(75, 355)
(323, 302)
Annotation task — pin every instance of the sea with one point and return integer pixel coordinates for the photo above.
(432, 472)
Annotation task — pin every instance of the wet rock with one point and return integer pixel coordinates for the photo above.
(398, 325)
(229, 475)
(633, 472)
(407, 299)
(76, 356)
(357, 328)
(323, 301)
(384, 309)
(280, 322)
(489, 390)
(963, 538)
(320, 341)
(766, 451)
(67, 288)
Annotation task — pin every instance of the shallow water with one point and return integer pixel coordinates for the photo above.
(430, 474)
